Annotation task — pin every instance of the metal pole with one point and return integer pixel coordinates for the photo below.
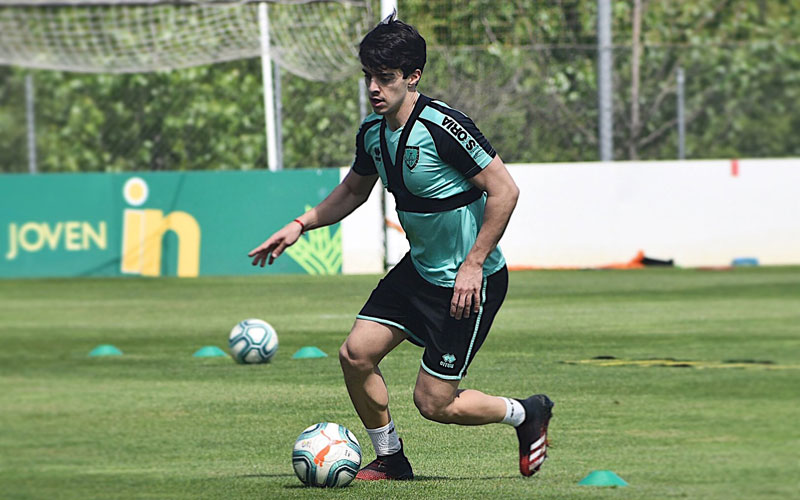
(387, 6)
(278, 115)
(269, 99)
(681, 117)
(362, 98)
(29, 112)
(604, 80)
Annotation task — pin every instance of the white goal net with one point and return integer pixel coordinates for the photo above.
(316, 40)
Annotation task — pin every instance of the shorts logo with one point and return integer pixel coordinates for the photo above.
(411, 157)
(447, 361)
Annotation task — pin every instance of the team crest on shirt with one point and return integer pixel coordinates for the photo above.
(411, 157)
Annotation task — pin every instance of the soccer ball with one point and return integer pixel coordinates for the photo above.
(253, 341)
(326, 455)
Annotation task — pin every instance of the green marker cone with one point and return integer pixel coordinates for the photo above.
(209, 351)
(308, 352)
(105, 350)
(602, 478)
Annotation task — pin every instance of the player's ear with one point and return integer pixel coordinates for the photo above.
(414, 79)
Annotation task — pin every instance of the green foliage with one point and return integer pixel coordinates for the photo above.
(209, 117)
(741, 60)
(523, 70)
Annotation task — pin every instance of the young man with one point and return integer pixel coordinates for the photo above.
(454, 198)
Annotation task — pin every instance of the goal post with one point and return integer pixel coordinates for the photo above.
(313, 39)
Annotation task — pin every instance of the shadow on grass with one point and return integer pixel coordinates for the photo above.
(265, 475)
(438, 478)
(459, 478)
(416, 479)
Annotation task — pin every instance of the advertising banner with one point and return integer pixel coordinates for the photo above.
(160, 224)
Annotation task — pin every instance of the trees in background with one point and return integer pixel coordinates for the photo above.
(524, 70)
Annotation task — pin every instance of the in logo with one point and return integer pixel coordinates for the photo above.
(143, 233)
(411, 157)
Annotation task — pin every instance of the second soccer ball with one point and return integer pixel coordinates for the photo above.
(253, 341)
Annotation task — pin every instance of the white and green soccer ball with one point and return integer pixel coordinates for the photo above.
(253, 341)
(326, 455)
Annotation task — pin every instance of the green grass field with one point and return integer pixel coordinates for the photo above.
(157, 423)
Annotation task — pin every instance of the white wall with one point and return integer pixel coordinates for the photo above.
(699, 213)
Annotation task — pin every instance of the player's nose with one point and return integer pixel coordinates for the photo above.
(373, 87)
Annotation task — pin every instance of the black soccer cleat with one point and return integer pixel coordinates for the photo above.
(532, 433)
(395, 466)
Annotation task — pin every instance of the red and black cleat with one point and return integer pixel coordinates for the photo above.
(532, 433)
(395, 466)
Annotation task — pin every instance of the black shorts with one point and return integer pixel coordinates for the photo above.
(407, 301)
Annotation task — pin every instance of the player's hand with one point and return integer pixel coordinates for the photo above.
(467, 291)
(274, 246)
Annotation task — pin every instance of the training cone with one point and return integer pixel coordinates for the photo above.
(209, 351)
(308, 352)
(105, 350)
(602, 478)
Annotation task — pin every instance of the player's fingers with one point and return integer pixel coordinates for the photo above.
(259, 257)
(454, 304)
(476, 301)
(462, 297)
(467, 304)
(277, 252)
(260, 248)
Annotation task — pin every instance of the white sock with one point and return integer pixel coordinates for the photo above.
(515, 413)
(384, 439)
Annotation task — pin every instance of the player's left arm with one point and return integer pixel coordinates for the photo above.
(501, 198)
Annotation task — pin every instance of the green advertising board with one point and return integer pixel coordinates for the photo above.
(160, 224)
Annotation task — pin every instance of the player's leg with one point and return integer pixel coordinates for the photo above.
(359, 357)
(382, 324)
(442, 401)
(451, 347)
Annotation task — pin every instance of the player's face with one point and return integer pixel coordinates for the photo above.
(388, 89)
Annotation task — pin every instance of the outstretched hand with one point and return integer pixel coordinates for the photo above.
(273, 247)
(467, 291)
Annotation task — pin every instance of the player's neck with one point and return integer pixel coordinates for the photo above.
(397, 120)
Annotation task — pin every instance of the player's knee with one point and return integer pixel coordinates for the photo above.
(432, 408)
(352, 362)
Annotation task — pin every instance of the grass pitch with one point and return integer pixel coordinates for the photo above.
(157, 423)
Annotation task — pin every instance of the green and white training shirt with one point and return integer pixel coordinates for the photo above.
(426, 165)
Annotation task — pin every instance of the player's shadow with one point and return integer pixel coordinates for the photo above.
(416, 478)
(457, 478)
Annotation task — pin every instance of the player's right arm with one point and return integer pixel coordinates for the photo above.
(351, 193)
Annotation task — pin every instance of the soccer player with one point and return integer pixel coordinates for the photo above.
(454, 198)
